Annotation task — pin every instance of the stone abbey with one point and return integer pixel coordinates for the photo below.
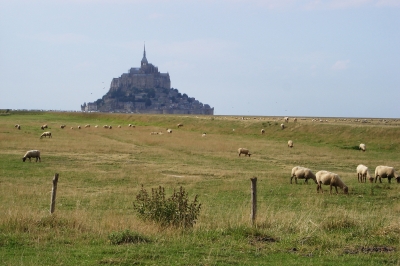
(146, 90)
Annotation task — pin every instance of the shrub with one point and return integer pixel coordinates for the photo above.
(175, 211)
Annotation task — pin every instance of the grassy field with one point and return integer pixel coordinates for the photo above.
(102, 170)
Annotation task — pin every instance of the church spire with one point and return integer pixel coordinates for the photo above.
(144, 59)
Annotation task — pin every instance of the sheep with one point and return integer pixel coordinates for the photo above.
(386, 172)
(46, 134)
(290, 144)
(96, 126)
(105, 126)
(119, 126)
(109, 127)
(87, 125)
(44, 126)
(62, 126)
(72, 127)
(153, 133)
(295, 119)
(262, 131)
(362, 173)
(204, 134)
(286, 119)
(244, 151)
(282, 126)
(18, 126)
(130, 125)
(32, 154)
(299, 172)
(169, 130)
(79, 127)
(180, 125)
(362, 147)
(331, 179)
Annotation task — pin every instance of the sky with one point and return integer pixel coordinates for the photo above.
(314, 58)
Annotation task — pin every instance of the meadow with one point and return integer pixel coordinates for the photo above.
(102, 170)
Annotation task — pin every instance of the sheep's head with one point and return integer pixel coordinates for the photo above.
(371, 179)
(398, 179)
(346, 190)
(23, 159)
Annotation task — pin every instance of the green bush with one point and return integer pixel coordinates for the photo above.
(175, 211)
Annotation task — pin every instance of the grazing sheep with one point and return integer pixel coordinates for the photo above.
(153, 133)
(43, 127)
(62, 126)
(286, 119)
(386, 172)
(290, 144)
(233, 130)
(244, 151)
(295, 119)
(119, 126)
(169, 130)
(79, 127)
(331, 179)
(105, 126)
(18, 126)
(130, 125)
(362, 173)
(204, 134)
(262, 131)
(110, 127)
(180, 125)
(87, 125)
(362, 147)
(299, 172)
(282, 126)
(32, 154)
(46, 134)
(96, 126)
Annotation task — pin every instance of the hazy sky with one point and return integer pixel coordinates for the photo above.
(243, 57)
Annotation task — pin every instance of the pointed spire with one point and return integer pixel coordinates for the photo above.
(144, 59)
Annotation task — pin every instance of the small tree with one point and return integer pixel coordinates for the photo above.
(175, 211)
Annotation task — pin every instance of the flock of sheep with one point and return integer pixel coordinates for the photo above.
(320, 178)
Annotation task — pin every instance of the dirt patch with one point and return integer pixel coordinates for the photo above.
(367, 250)
(262, 239)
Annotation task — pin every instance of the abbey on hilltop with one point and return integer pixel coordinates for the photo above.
(146, 90)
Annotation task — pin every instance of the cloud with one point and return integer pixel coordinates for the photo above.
(60, 38)
(341, 65)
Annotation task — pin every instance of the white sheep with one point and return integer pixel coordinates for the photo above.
(286, 119)
(96, 126)
(362, 147)
(244, 151)
(130, 125)
(87, 125)
(44, 126)
(386, 172)
(290, 144)
(331, 179)
(262, 131)
(169, 130)
(363, 173)
(299, 172)
(119, 126)
(204, 134)
(283, 126)
(180, 125)
(32, 154)
(295, 119)
(79, 127)
(46, 134)
(105, 126)
(109, 127)
(17, 126)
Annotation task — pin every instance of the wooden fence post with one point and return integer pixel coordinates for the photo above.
(53, 194)
(253, 199)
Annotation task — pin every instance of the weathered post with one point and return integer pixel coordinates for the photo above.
(253, 199)
(53, 194)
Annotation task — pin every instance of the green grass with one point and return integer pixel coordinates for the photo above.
(101, 171)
